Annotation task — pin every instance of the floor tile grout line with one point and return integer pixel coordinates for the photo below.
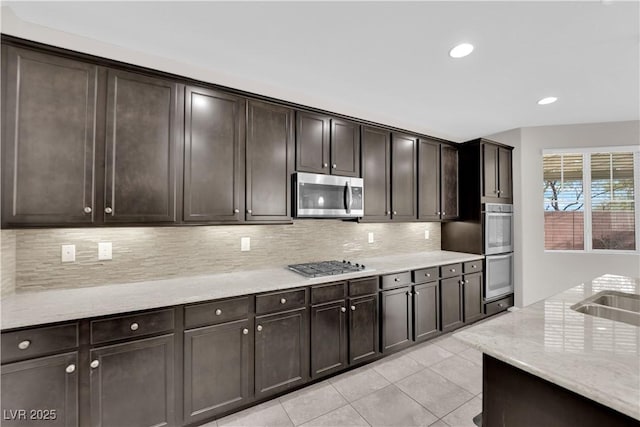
(285, 411)
(419, 404)
(358, 412)
(448, 413)
(453, 382)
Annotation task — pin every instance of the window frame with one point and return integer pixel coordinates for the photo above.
(586, 183)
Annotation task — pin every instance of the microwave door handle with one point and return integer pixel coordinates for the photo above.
(349, 197)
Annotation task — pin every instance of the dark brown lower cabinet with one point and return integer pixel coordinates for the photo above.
(363, 328)
(451, 292)
(397, 319)
(426, 311)
(132, 384)
(41, 391)
(328, 338)
(281, 352)
(217, 369)
(472, 297)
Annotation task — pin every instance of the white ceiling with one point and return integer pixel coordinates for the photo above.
(388, 61)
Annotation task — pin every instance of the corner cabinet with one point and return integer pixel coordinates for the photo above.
(269, 162)
(437, 181)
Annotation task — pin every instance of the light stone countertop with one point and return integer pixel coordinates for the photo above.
(40, 307)
(595, 357)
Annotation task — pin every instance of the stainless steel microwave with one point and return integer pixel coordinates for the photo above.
(327, 196)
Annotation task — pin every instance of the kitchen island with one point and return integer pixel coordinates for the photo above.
(548, 364)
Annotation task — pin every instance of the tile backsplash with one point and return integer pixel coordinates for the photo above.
(147, 253)
(7, 261)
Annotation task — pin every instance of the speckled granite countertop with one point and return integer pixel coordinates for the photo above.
(35, 308)
(592, 356)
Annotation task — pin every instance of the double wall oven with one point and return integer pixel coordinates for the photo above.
(497, 220)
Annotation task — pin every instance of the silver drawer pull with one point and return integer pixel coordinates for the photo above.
(94, 364)
(23, 345)
(134, 326)
(427, 274)
(453, 270)
(343, 309)
(500, 305)
(283, 300)
(236, 210)
(396, 279)
(259, 328)
(108, 210)
(324, 165)
(87, 209)
(473, 266)
(71, 369)
(218, 312)
(245, 331)
(417, 293)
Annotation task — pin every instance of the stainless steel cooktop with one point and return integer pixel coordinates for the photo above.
(326, 268)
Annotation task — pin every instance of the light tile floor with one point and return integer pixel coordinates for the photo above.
(437, 383)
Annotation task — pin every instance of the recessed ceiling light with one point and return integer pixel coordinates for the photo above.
(462, 50)
(547, 100)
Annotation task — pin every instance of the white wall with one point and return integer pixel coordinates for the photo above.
(539, 274)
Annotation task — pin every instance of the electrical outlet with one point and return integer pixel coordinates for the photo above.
(104, 251)
(245, 244)
(68, 253)
(371, 237)
(426, 234)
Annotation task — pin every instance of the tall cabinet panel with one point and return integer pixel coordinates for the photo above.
(141, 149)
(404, 155)
(214, 155)
(48, 140)
(449, 196)
(504, 174)
(428, 180)
(269, 162)
(312, 148)
(345, 148)
(376, 173)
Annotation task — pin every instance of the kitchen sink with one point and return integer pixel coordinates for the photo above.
(612, 305)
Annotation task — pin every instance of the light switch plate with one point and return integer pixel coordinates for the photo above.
(371, 240)
(426, 234)
(104, 251)
(68, 253)
(245, 244)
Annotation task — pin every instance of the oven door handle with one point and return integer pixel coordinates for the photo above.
(349, 197)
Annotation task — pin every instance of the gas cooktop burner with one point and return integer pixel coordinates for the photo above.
(325, 268)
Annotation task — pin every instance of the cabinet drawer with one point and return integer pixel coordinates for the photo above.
(472, 266)
(498, 305)
(132, 325)
(366, 286)
(328, 292)
(280, 301)
(425, 275)
(395, 280)
(215, 312)
(450, 270)
(35, 342)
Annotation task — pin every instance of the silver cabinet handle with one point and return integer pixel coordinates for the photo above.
(70, 369)
(349, 197)
(427, 274)
(473, 266)
(396, 279)
(248, 211)
(23, 345)
(134, 326)
(462, 282)
(324, 165)
(108, 210)
(245, 331)
(417, 293)
(500, 305)
(395, 212)
(283, 300)
(259, 328)
(87, 209)
(236, 210)
(453, 270)
(334, 166)
(409, 293)
(218, 312)
(94, 364)
(444, 213)
(343, 309)
(466, 281)
(438, 213)
(353, 308)
(388, 212)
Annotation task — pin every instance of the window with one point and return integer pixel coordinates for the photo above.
(590, 199)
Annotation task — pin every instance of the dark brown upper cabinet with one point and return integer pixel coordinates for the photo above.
(437, 181)
(404, 176)
(497, 186)
(326, 145)
(449, 182)
(213, 156)
(376, 173)
(269, 162)
(141, 149)
(48, 139)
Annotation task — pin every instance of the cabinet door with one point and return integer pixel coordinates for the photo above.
(426, 299)
(48, 386)
(345, 148)
(376, 173)
(489, 170)
(217, 363)
(270, 147)
(451, 303)
(281, 352)
(472, 297)
(364, 337)
(48, 141)
(428, 180)
(396, 319)
(404, 177)
(141, 149)
(132, 384)
(449, 179)
(312, 143)
(213, 155)
(328, 338)
(505, 186)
